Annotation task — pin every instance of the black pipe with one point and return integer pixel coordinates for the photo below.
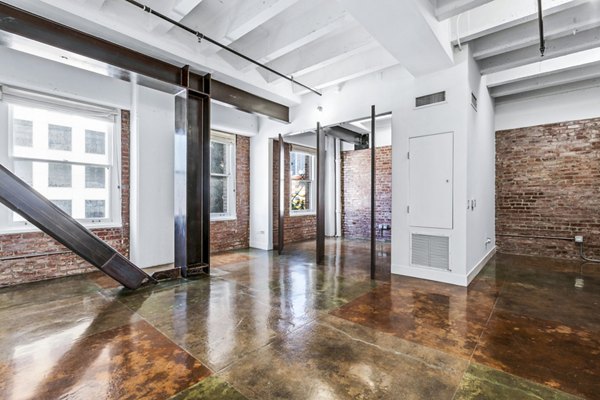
(583, 257)
(201, 37)
(570, 239)
(34, 255)
(541, 23)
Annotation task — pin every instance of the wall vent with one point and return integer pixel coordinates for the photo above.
(430, 251)
(474, 101)
(429, 99)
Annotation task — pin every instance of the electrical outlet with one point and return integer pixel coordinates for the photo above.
(578, 239)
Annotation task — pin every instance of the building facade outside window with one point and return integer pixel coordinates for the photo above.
(66, 153)
(302, 193)
(222, 176)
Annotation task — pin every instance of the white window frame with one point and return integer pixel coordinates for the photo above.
(113, 218)
(313, 196)
(229, 140)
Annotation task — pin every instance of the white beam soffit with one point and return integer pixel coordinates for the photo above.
(449, 8)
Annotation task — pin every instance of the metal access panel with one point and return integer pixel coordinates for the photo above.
(431, 183)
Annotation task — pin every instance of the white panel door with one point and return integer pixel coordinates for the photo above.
(431, 181)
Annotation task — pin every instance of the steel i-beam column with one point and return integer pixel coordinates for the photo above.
(192, 178)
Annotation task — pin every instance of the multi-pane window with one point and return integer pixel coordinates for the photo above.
(67, 156)
(302, 192)
(222, 175)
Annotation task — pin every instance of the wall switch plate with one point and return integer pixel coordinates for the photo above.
(578, 239)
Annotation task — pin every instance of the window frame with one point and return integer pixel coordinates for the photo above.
(113, 217)
(229, 140)
(313, 197)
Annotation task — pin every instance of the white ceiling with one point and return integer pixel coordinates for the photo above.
(323, 43)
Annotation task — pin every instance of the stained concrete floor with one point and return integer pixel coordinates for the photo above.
(270, 327)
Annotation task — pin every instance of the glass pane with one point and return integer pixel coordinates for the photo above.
(95, 177)
(65, 205)
(301, 166)
(218, 158)
(218, 194)
(23, 133)
(95, 209)
(24, 170)
(59, 175)
(300, 196)
(59, 137)
(95, 142)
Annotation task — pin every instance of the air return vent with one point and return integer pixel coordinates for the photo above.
(429, 99)
(430, 251)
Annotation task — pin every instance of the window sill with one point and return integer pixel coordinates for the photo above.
(32, 228)
(219, 219)
(303, 213)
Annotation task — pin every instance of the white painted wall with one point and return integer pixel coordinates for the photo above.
(559, 107)
(481, 174)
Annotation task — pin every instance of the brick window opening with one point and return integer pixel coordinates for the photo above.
(302, 193)
(222, 176)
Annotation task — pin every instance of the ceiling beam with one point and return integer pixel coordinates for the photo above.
(293, 28)
(503, 14)
(582, 73)
(227, 21)
(449, 8)
(549, 91)
(177, 12)
(554, 48)
(327, 50)
(18, 22)
(557, 25)
(358, 65)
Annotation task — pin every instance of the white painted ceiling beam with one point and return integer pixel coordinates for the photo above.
(549, 91)
(227, 21)
(544, 67)
(449, 8)
(590, 71)
(306, 21)
(176, 10)
(503, 14)
(554, 48)
(557, 25)
(95, 4)
(327, 50)
(408, 30)
(360, 64)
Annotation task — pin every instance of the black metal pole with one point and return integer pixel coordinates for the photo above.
(320, 194)
(202, 36)
(541, 23)
(281, 194)
(373, 192)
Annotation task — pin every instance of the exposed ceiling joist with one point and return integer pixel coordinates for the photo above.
(557, 25)
(358, 65)
(445, 9)
(177, 12)
(582, 73)
(583, 40)
(327, 50)
(292, 29)
(549, 91)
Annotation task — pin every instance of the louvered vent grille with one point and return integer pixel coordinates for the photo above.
(433, 98)
(431, 251)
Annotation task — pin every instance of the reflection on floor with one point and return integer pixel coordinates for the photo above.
(270, 327)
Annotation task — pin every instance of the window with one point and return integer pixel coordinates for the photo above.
(302, 194)
(222, 176)
(64, 150)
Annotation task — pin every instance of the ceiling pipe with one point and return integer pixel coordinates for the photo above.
(201, 37)
(541, 23)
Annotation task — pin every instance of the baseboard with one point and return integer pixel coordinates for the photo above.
(430, 274)
(259, 245)
(479, 266)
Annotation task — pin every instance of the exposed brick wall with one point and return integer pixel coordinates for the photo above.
(235, 234)
(548, 184)
(356, 192)
(297, 227)
(53, 266)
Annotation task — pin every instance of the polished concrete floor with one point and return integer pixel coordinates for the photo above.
(270, 327)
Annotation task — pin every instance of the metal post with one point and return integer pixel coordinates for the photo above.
(373, 192)
(320, 194)
(541, 26)
(281, 194)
